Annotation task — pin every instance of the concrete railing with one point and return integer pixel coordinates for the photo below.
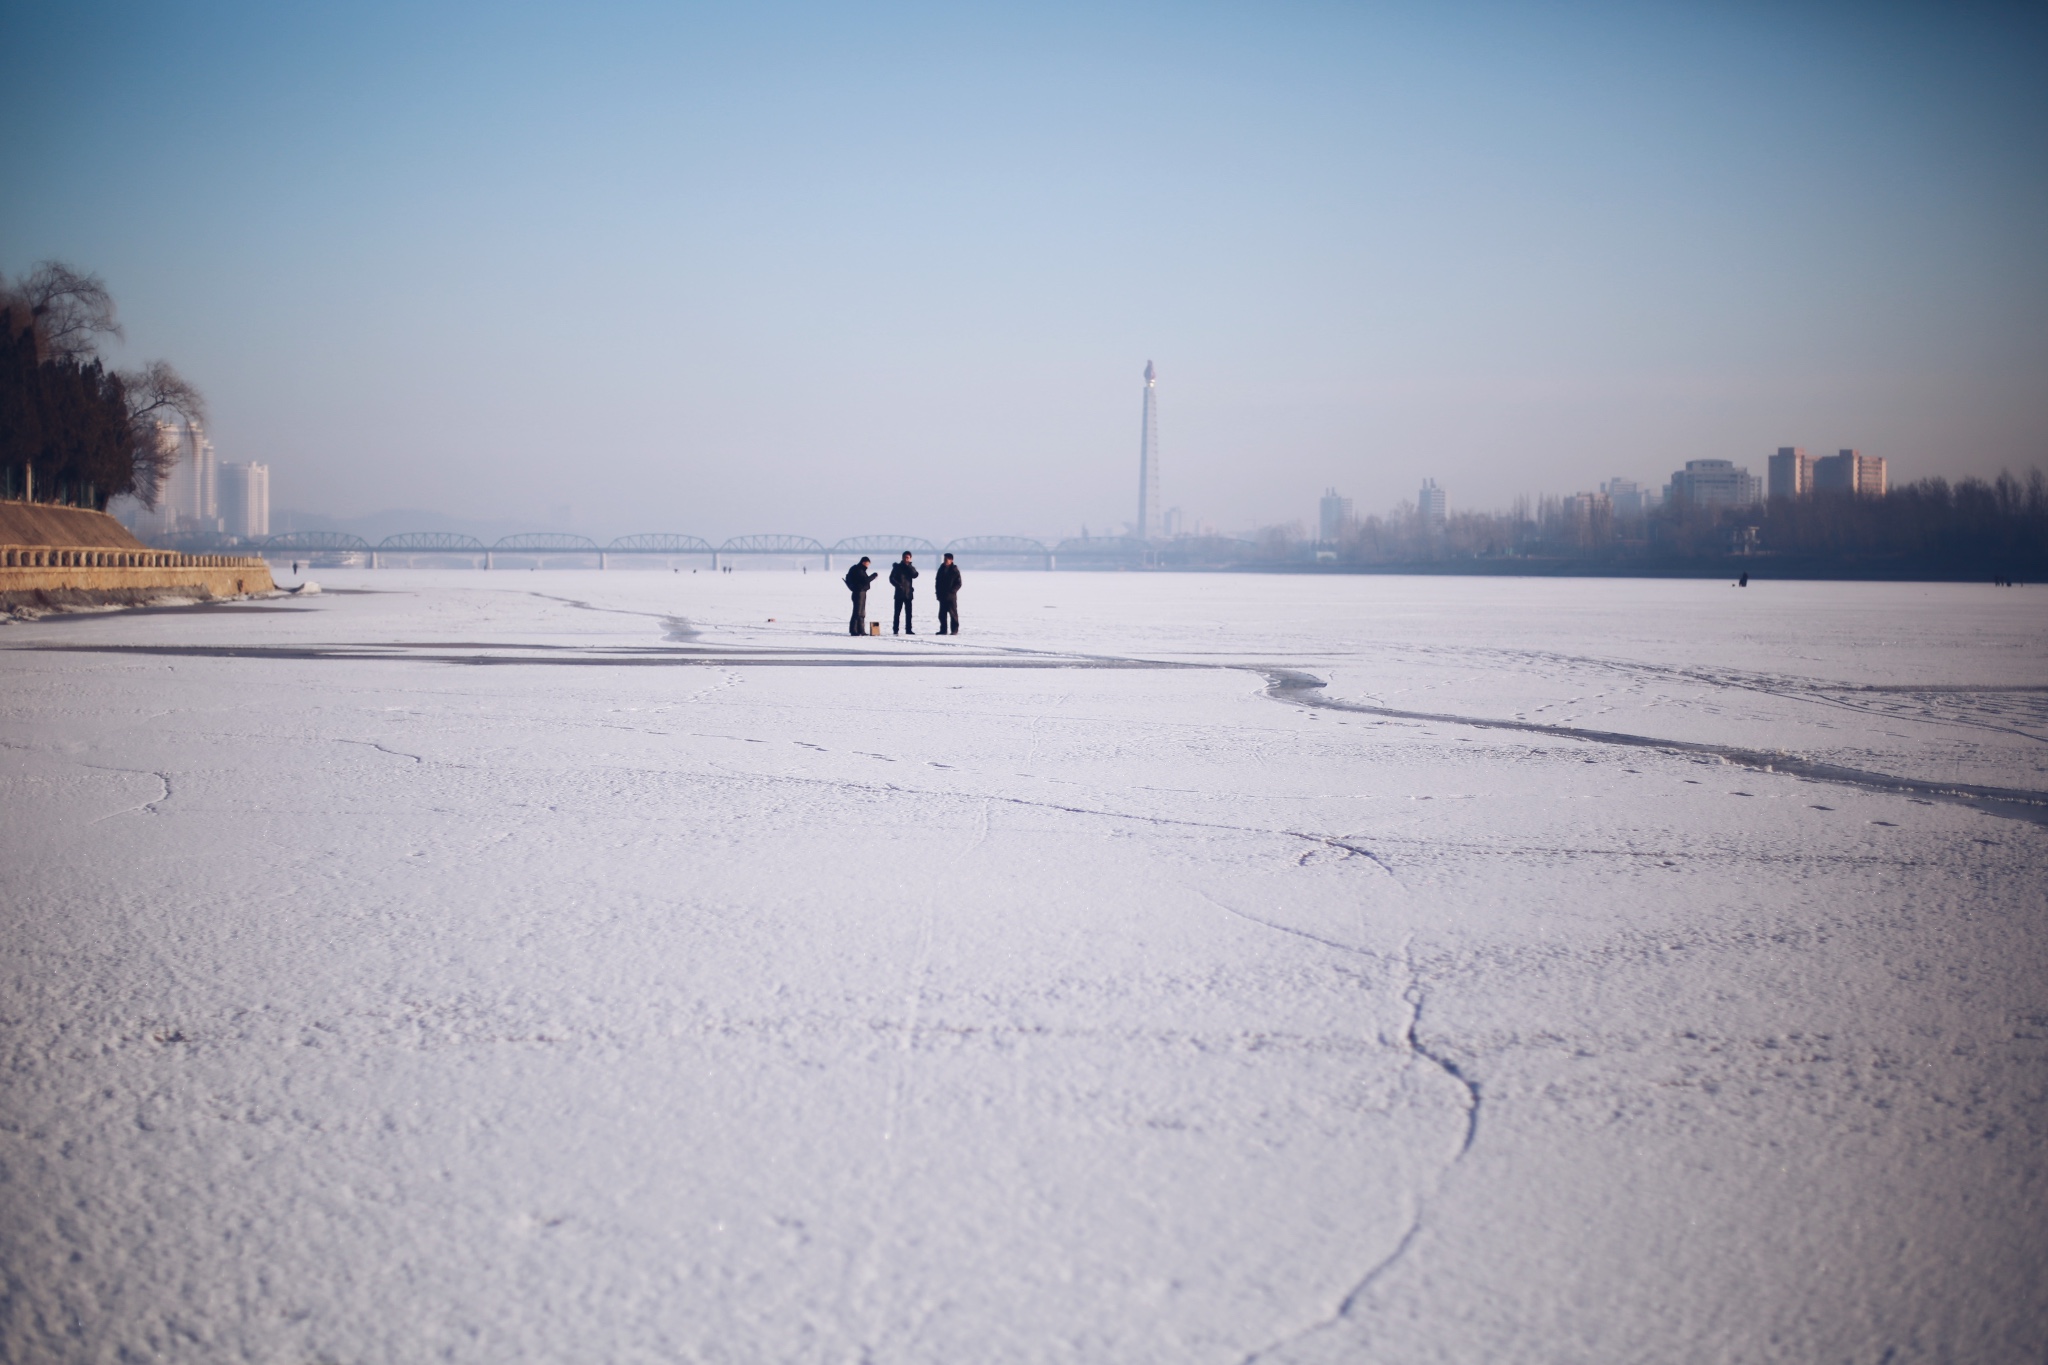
(88, 557)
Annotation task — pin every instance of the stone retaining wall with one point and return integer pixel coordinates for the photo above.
(47, 575)
(75, 557)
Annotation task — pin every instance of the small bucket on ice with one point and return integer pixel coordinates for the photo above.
(874, 627)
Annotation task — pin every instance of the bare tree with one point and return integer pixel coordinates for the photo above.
(155, 394)
(68, 309)
(117, 423)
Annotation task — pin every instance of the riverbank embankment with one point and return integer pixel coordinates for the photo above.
(53, 558)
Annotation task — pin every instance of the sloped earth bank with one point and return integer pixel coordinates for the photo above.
(570, 967)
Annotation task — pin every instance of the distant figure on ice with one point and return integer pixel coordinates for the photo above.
(858, 580)
(1742, 582)
(902, 575)
(947, 586)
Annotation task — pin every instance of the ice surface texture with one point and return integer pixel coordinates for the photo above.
(575, 967)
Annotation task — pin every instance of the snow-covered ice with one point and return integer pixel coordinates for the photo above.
(581, 967)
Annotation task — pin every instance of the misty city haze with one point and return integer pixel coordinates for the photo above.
(807, 270)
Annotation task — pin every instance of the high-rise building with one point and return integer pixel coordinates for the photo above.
(191, 492)
(1625, 497)
(1791, 473)
(189, 501)
(1431, 505)
(1850, 471)
(1149, 509)
(1714, 483)
(1334, 519)
(245, 500)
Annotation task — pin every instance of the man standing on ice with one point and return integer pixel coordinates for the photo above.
(947, 586)
(857, 580)
(901, 576)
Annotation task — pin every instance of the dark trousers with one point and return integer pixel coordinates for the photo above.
(900, 619)
(949, 616)
(859, 624)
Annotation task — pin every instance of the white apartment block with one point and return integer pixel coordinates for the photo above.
(1850, 471)
(245, 500)
(1334, 517)
(1431, 504)
(1791, 473)
(1714, 483)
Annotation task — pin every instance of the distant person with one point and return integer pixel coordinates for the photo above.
(858, 580)
(947, 586)
(902, 577)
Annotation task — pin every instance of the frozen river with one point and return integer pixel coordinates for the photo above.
(632, 967)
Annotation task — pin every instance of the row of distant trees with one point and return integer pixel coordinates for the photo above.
(72, 430)
(1969, 528)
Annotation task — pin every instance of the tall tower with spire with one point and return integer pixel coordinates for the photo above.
(1150, 513)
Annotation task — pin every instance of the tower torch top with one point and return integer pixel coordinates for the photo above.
(1148, 372)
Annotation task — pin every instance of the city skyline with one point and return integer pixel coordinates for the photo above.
(752, 268)
(204, 496)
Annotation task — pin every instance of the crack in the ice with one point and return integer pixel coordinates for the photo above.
(609, 611)
(1770, 685)
(1232, 910)
(1291, 685)
(147, 807)
(1417, 999)
(1282, 684)
(1343, 845)
(1326, 840)
(373, 744)
(737, 657)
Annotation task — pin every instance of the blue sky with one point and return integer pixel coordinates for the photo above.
(832, 270)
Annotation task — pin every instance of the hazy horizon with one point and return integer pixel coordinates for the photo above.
(807, 270)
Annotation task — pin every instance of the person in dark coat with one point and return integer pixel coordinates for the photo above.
(858, 580)
(902, 575)
(947, 585)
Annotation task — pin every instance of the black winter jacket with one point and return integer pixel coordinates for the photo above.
(901, 577)
(947, 584)
(858, 578)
